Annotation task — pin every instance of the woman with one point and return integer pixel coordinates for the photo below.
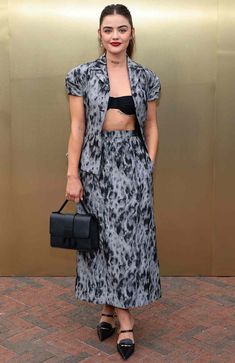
(111, 152)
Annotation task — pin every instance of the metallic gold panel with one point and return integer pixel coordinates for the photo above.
(224, 145)
(191, 47)
(6, 245)
(183, 179)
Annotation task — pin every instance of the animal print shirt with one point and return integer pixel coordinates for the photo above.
(91, 81)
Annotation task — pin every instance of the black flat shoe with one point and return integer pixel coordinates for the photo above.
(104, 329)
(126, 346)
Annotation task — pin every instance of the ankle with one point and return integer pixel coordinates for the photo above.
(125, 318)
(107, 306)
(108, 309)
(123, 313)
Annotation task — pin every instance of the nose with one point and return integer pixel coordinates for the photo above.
(115, 34)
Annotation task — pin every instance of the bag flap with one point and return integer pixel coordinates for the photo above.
(61, 224)
(68, 225)
(82, 224)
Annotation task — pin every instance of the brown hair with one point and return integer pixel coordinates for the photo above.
(120, 10)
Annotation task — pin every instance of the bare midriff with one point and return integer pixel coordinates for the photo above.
(115, 119)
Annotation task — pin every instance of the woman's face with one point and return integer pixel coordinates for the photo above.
(115, 33)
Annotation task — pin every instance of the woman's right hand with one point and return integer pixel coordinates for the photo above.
(74, 189)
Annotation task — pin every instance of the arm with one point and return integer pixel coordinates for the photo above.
(151, 129)
(77, 115)
(74, 187)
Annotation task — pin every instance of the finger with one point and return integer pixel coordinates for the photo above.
(70, 197)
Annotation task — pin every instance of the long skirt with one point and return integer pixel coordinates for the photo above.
(124, 272)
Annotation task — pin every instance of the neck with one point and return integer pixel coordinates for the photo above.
(116, 60)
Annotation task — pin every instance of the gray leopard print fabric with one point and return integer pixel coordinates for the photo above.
(91, 81)
(124, 272)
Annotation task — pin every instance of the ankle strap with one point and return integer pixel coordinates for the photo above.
(123, 331)
(111, 315)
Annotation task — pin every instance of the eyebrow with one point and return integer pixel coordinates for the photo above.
(110, 27)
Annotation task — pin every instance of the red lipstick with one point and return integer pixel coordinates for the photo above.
(115, 44)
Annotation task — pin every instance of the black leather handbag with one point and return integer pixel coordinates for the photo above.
(74, 231)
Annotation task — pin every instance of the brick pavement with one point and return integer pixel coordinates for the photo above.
(42, 321)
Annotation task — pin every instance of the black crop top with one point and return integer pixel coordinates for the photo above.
(123, 103)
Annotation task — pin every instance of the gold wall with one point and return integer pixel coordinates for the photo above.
(190, 45)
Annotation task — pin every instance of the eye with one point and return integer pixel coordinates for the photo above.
(123, 30)
(107, 30)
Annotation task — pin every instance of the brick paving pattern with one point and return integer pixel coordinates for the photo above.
(42, 321)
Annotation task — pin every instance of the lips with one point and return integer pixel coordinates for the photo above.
(115, 44)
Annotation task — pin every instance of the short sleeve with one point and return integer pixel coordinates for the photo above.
(154, 86)
(75, 81)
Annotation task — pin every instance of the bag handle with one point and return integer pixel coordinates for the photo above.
(66, 201)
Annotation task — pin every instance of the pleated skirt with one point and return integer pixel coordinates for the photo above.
(124, 272)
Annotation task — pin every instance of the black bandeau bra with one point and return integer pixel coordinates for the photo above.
(123, 103)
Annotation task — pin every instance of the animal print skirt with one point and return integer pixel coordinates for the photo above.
(124, 272)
